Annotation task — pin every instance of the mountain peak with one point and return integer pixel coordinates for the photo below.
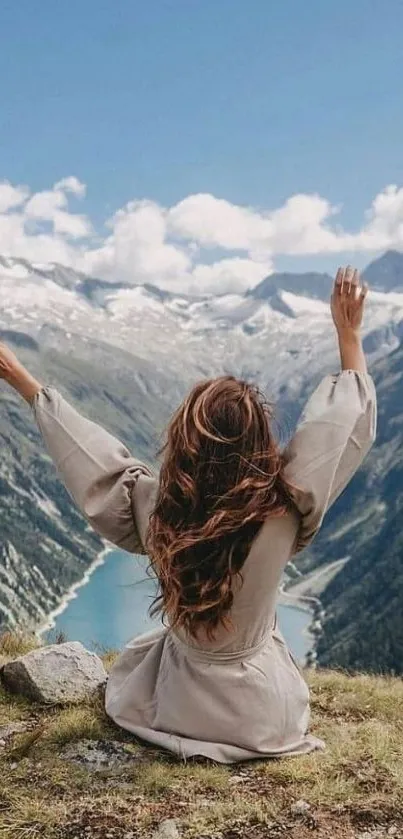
(386, 272)
(308, 284)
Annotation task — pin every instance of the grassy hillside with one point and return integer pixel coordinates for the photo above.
(354, 789)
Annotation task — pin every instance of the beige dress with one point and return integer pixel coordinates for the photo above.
(242, 696)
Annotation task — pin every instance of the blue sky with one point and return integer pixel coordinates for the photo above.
(249, 101)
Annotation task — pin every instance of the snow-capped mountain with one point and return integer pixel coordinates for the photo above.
(279, 332)
(125, 356)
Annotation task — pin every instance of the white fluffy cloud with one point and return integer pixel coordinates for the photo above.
(214, 222)
(201, 243)
(51, 206)
(137, 249)
(234, 274)
(72, 184)
(11, 196)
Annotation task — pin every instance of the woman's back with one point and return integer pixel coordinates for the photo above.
(335, 432)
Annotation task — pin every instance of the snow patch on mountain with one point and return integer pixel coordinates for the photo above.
(275, 334)
(301, 305)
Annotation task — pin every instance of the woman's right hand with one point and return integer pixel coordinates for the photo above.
(347, 305)
(348, 300)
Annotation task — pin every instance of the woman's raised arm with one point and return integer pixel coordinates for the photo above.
(338, 424)
(98, 471)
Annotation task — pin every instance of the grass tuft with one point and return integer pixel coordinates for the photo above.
(76, 723)
(13, 645)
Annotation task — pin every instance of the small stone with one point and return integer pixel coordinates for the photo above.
(237, 779)
(299, 808)
(12, 728)
(98, 755)
(57, 675)
(129, 835)
(168, 829)
(392, 831)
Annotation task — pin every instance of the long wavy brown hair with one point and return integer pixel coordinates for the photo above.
(221, 478)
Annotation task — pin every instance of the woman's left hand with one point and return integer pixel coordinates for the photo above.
(13, 372)
(9, 364)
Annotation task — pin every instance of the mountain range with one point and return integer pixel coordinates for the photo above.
(126, 355)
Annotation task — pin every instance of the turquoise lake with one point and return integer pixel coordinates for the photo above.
(112, 608)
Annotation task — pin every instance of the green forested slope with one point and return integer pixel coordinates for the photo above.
(363, 628)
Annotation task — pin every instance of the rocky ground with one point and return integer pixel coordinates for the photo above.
(68, 773)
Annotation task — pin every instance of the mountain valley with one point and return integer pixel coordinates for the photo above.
(126, 355)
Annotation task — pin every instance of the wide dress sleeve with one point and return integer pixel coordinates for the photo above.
(336, 430)
(97, 470)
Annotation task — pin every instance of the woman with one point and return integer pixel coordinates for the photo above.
(220, 524)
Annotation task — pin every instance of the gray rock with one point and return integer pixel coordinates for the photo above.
(376, 833)
(12, 728)
(98, 754)
(168, 829)
(58, 674)
(299, 808)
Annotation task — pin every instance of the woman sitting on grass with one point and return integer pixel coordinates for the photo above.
(219, 523)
